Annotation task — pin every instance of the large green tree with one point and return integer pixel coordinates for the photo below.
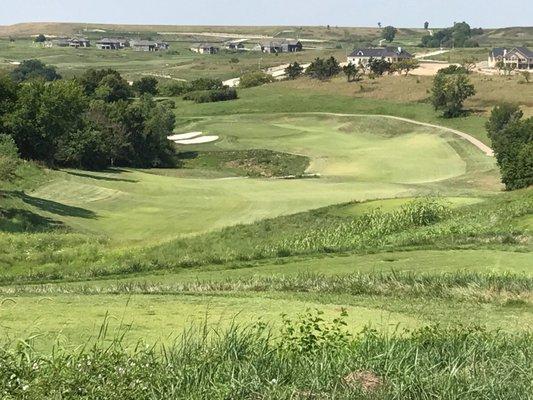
(389, 33)
(512, 142)
(449, 93)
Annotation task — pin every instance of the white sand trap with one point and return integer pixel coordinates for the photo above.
(184, 136)
(197, 140)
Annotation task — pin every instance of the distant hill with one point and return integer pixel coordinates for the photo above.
(492, 37)
(516, 36)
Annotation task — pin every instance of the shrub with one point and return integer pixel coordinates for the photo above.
(175, 88)
(206, 84)
(452, 70)
(255, 78)
(211, 96)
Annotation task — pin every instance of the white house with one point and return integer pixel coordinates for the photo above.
(390, 54)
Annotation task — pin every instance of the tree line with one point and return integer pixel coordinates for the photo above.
(93, 121)
(324, 69)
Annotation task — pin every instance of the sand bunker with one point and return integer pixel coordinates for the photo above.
(184, 136)
(198, 140)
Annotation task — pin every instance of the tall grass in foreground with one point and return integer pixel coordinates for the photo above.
(311, 359)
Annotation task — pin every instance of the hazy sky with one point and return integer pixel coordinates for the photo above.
(405, 13)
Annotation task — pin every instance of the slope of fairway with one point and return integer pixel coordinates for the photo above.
(357, 158)
(371, 149)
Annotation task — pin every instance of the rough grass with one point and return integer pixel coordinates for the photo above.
(312, 358)
(252, 163)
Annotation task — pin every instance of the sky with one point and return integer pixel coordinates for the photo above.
(404, 13)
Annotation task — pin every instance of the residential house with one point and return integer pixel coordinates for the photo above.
(148, 45)
(79, 42)
(69, 42)
(390, 54)
(205, 48)
(235, 45)
(517, 57)
(281, 46)
(291, 45)
(112, 43)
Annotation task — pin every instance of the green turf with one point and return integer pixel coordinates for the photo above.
(356, 159)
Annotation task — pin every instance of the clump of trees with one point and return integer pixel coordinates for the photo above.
(323, 69)
(255, 78)
(512, 142)
(389, 33)
(449, 93)
(34, 69)
(90, 122)
(460, 35)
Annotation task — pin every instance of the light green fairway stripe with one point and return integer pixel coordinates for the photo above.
(163, 318)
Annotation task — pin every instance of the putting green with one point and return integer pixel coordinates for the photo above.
(358, 158)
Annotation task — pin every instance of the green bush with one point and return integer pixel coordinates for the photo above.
(452, 70)
(255, 78)
(206, 84)
(175, 88)
(211, 96)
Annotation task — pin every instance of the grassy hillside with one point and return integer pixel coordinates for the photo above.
(320, 248)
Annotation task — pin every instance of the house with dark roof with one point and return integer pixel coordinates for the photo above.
(205, 48)
(148, 45)
(390, 54)
(517, 57)
(70, 42)
(112, 43)
(281, 46)
(235, 45)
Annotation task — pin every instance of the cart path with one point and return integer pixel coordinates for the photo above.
(476, 142)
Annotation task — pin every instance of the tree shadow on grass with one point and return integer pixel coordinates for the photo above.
(101, 178)
(20, 220)
(50, 206)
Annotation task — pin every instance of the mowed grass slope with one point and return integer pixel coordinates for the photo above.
(357, 158)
